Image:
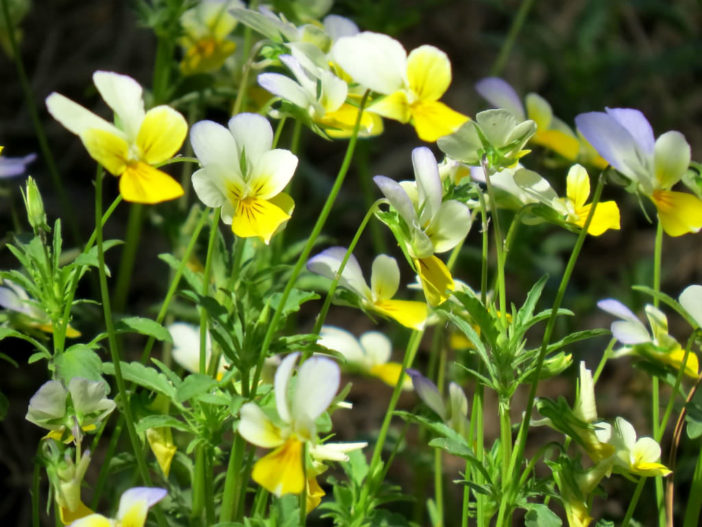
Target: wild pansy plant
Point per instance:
(244, 175)
(424, 223)
(135, 145)
(624, 137)
(134, 506)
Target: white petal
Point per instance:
(124, 95)
(647, 450)
(302, 72)
(334, 91)
(327, 264)
(257, 429)
(186, 345)
(426, 173)
(139, 497)
(317, 383)
(630, 330)
(280, 385)
(76, 118)
(334, 451)
(376, 346)
(535, 186)
(373, 60)
(398, 198)
(385, 277)
(338, 26)
(671, 158)
(285, 88)
(209, 187)
(253, 134)
(691, 300)
(501, 95)
(585, 407)
(625, 433)
(213, 144)
(450, 225)
(49, 402)
(272, 172)
(340, 340)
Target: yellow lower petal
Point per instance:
(340, 123)
(435, 278)
(314, 494)
(108, 149)
(650, 469)
(281, 471)
(433, 119)
(142, 183)
(675, 359)
(161, 443)
(259, 218)
(69, 516)
(559, 142)
(606, 217)
(678, 212)
(394, 106)
(409, 313)
(390, 373)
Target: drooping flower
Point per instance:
(65, 472)
(370, 353)
(551, 132)
(625, 139)
(134, 506)
(411, 84)
(206, 28)
(298, 407)
(431, 225)
(658, 346)
(243, 175)
(320, 97)
(132, 148)
(573, 208)
(385, 280)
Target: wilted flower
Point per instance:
(625, 139)
(385, 280)
(431, 225)
(132, 148)
(658, 347)
(243, 175)
(134, 505)
(370, 353)
(411, 84)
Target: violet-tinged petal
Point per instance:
(636, 124)
(500, 94)
(428, 392)
(397, 197)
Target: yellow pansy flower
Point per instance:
(133, 508)
(131, 147)
(205, 44)
(385, 280)
(370, 353)
(243, 175)
(625, 139)
(411, 84)
(606, 215)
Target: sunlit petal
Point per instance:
(500, 94)
(257, 428)
(398, 198)
(135, 503)
(75, 117)
(161, 134)
(605, 217)
(257, 218)
(328, 262)
(281, 471)
(271, 173)
(539, 110)
(317, 383)
(385, 277)
(435, 278)
(108, 149)
(340, 340)
(429, 190)
(124, 95)
(433, 119)
(560, 142)
(394, 106)
(409, 313)
(142, 183)
(253, 135)
(636, 124)
(161, 443)
(93, 520)
(428, 72)
(213, 144)
(671, 158)
(450, 225)
(578, 185)
(691, 300)
(377, 346)
(679, 212)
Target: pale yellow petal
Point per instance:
(258, 218)
(281, 471)
(435, 278)
(678, 212)
(578, 185)
(92, 520)
(314, 494)
(142, 183)
(428, 73)
(108, 149)
(409, 313)
(560, 142)
(433, 119)
(339, 124)
(390, 373)
(81, 511)
(161, 134)
(161, 444)
(394, 106)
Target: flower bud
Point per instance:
(35, 206)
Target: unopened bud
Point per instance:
(35, 206)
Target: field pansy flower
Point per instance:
(434, 225)
(134, 505)
(625, 139)
(411, 84)
(691, 300)
(385, 280)
(205, 44)
(370, 353)
(243, 174)
(657, 346)
(14, 166)
(131, 148)
(282, 471)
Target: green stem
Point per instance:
(232, 481)
(499, 247)
(514, 30)
(505, 444)
(332, 288)
(632, 503)
(114, 349)
(304, 255)
(126, 264)
(198, 486)
(694, 500)
(565, 279)
(206, 287)
(68, 210)
(655, 384)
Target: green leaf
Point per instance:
(194, 385)
(482, 317)
(143, 326)
(295, 299)
(78, 361)
(539, 515)
(161, 420)
(693, 417)
(144, 376)
(90, 259)
(669, 301)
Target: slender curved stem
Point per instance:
(514, 30)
